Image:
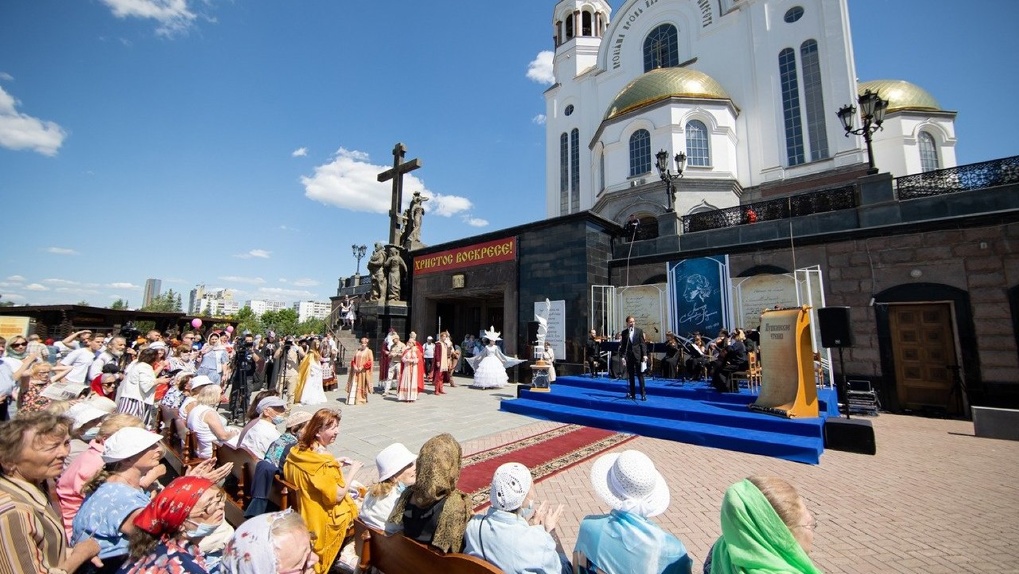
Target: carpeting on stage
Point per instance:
(545, 454)
(690, 412)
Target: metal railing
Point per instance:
(821, 201)
(962, 178)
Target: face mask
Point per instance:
(278, 420)
(90, 434)
(528, 512)
(400, 487)
(202, 530)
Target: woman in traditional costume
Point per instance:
(412, 372)
(309, 389)
(490, 364)
(359, 381)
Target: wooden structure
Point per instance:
(395, 553)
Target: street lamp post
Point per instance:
(359, 251)
(668, 177)
(872, 112)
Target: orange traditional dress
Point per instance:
(359, 381)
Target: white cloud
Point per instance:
(290, 292)
(6, 77)
(16, 278)
(475, 221)
(350, 181)
(248, 280)
(539, 119)
(13, 297)
(59, 282)
(259, 253)
(36, 287)
(299, 152)
(61, 251)
(304, 282)
(20, 131)
(173, 15)
(540, 68)
(123, 285)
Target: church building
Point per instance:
(698, 171)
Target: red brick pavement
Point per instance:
(934, 499)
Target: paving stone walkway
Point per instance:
(934, 499)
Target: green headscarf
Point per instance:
(754, 539)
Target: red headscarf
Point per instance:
(165, 514)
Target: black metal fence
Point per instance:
(821, 201)
(962, 178)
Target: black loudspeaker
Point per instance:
(835, 328)
(532, 333)
(849, 435)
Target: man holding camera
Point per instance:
(246, 361)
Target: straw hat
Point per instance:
(629, 482)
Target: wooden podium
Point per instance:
(788, 387)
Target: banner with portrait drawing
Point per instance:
(699, 295)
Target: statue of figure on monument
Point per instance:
(376, 270)
(411, 238)
(395, 270)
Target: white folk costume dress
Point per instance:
(490, 364)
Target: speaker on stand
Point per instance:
(846, 435)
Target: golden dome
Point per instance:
(901, 95)
(662, 84)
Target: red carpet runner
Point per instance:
(544, 454)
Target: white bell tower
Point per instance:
(577, 28)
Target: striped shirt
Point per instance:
(32, 539)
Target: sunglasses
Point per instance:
(22, 344)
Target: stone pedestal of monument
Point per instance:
(377, 318)
(669, 224)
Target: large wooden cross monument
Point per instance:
(396, 174)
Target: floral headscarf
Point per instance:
(251, 550)
(166, 513)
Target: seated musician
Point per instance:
(698, 357)
(592, 352)
(670, 363)
(731, 358)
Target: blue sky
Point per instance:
(236, 143)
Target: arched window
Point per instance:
(640, 153)
(661, 48)
(697, 151)
(569, 27)
(574, 170)
(928, 153)
(564, 174)
(813, 99)
(586, 28)
(791, 107)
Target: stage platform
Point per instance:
(689, 412)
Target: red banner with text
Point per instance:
(469, 256)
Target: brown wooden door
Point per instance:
(923, 347)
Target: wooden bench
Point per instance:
(238, 490)
(177, 438)
(395, 553)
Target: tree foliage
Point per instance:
(283, 322)
(247, 320)
(119, 304)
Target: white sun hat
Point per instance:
(510, 485)
(628, 481)
(128, 442)
(393, 459)
(83, 413)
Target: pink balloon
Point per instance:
(196, 322)
(229, 328)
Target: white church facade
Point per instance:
(748, 90)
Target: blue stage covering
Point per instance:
(690, 412)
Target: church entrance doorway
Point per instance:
(923, 348)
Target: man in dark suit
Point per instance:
(633, 350)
